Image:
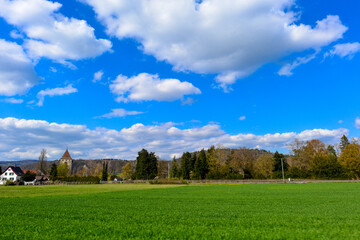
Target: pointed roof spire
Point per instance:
(66, 155)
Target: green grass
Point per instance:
(53, 190)
(248, 211)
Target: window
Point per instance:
(6, 174)
(11, 174)
(12, 178)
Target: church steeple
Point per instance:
(66, 155)
(66, 159)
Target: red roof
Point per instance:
(66, 155)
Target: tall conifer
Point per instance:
(201, 167)
(185, 165)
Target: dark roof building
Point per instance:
(16, 170)
(11, 173)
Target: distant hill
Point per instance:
(25, 164)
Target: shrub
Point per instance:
(9, 183)
(112, 177)
(28, 176)
(168, 181)
(83, 179)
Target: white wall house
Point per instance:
(12, 174)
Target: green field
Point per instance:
(116, 211)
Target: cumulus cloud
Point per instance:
(51, 92)
(229, 38)
(119, 112)
(98, 76)
(17, 73)
(13, 100)
(242, 118)
(344, 50)
(50, 34)
(357, 122)
(147, 87)
(20, 138)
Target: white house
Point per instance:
(12, 173)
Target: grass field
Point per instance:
(115, 211)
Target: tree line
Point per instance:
(307, 159)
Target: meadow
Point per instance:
(142, 211)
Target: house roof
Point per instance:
(66, 155)
(16, 170)
(42, 178)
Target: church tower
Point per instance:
(66, 158)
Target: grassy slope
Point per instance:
(254, 211)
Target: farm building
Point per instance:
(12, 173)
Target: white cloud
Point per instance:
(50, 34)
(287, 69)
(357, 122)
(16, 35)
(344, 50)
(189, 101)
(147, 87)
(340, 121)
(119, 112)
(17, 73)
(54, 92)
(229, 38)
(13, 100)
(98, 76)
(242, 118)
(20, 138)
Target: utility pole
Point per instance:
(282, 167)
(169, 170)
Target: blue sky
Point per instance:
(106, 78)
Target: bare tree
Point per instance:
(41, 166)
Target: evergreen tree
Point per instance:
(192, 161)
(277, 159)
(201, 167)
(140, 171)
(152, 166)
(174, 169)
(104, 175)
(146, 165)
(331, 150)
(344, 142)
(185, 165)
(53, 171)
